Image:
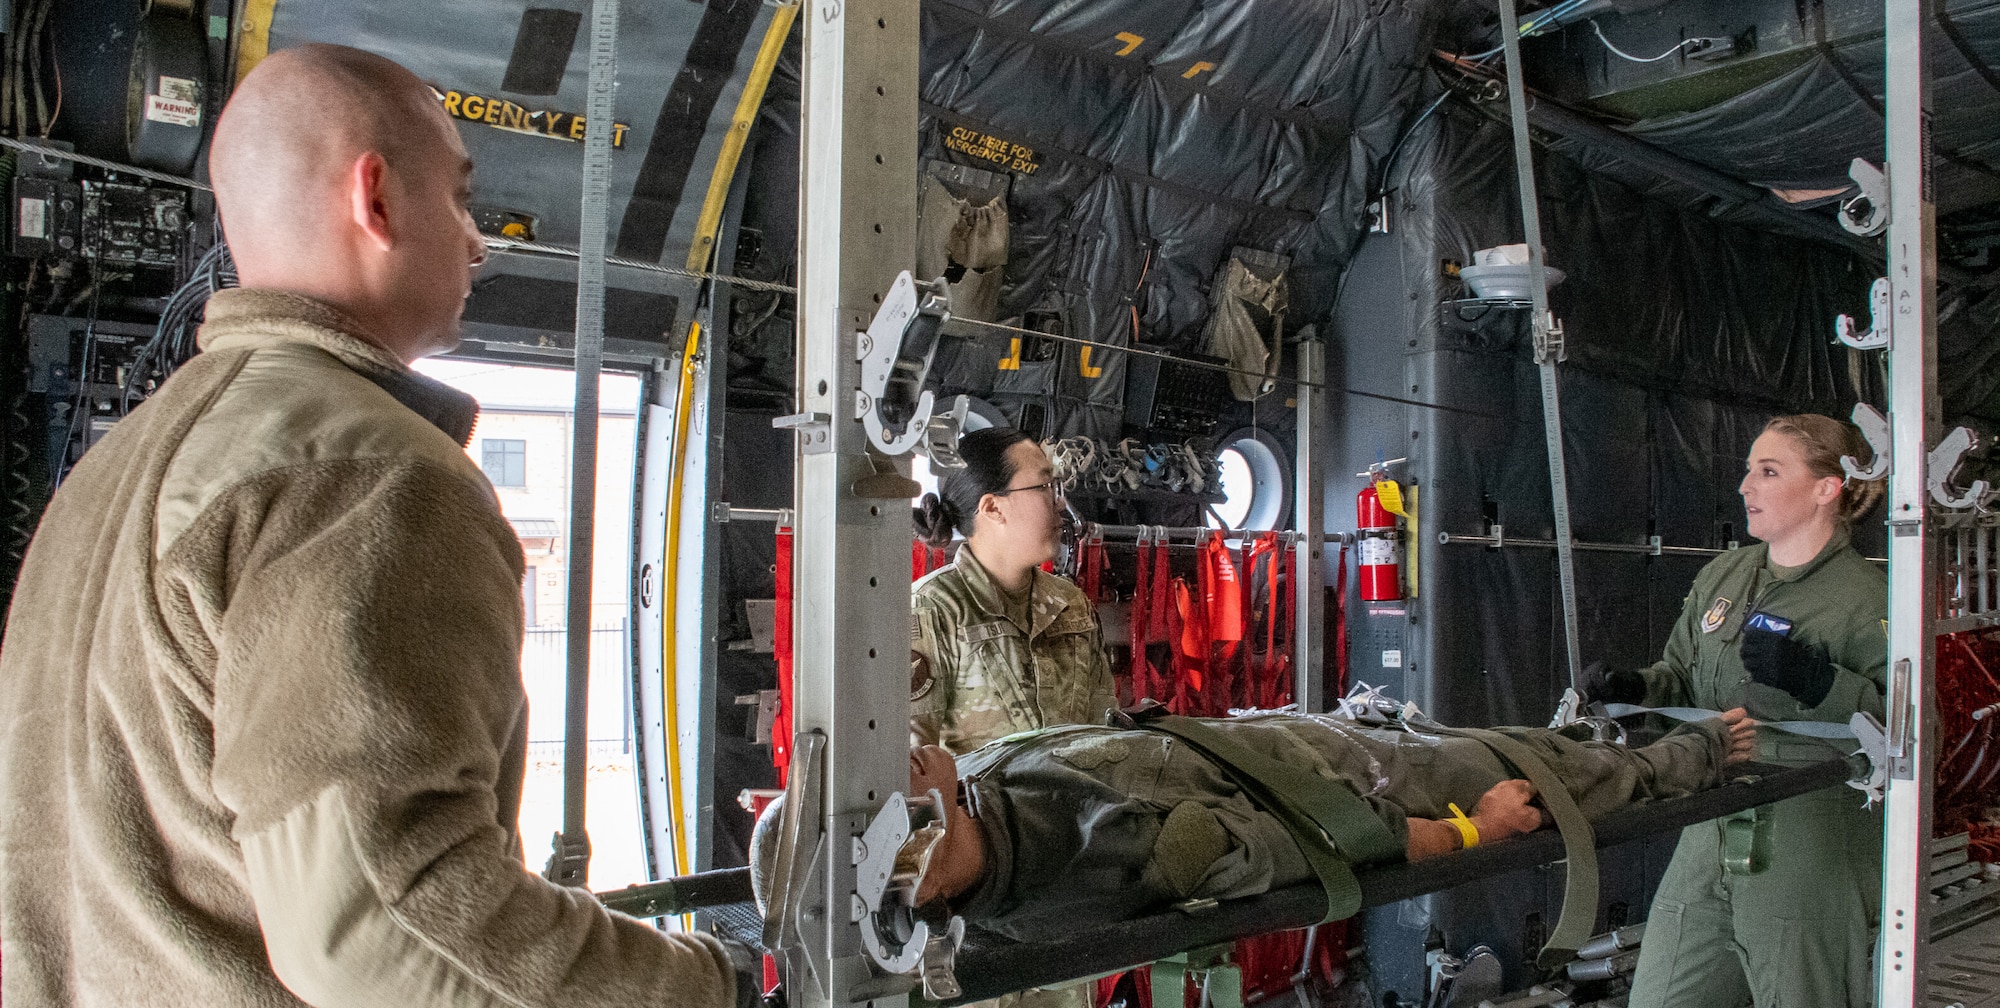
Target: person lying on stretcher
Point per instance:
(1081, 825)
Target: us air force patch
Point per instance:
(921, 679)
(1715, 615)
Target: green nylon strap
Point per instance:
(1334, 825)
(1579, 909)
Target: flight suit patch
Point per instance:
(921, 679)
(1190, 842)
(1715, 615)
(1089, 753)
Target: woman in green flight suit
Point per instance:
(1792, 629)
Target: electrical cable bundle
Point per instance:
(25, 109)
(173, 340)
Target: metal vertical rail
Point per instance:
(1309, 517)
(1548, 333)
(569, 863)
(857, 216)
(1982, 549)
(1914, 411)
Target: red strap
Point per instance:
(1186, 668)
(1273, 675)
(781, 646)
(1284, 660)
(1141, 627)
(1340, 625)
(1090, 564)
(1161, 619)
(1265, 689)
(1223, 592)
(919, 553)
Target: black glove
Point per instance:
(749, 966)
(1600, 686)
(1800, 669)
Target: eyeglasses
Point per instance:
(1054, 488)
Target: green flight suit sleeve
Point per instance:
(1852, 692)
(1860, 688)
(1669, 681)
(1604, 777)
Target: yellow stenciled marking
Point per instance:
(1083, 364)
(1012, 362)
(502, 114)
(1131, 42)
(1197, 68)
(1003, 153)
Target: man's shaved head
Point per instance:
(299, 119)
(333, 169)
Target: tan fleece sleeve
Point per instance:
(366, 624)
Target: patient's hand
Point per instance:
(958, 862)
(1504, 811)
(1742, 735)
(932, 767)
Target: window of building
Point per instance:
(505, 461)
(528, 593)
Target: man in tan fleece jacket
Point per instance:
(262, 729)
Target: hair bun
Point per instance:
(934, 520)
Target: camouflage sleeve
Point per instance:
(929, 684)
(1103, 688)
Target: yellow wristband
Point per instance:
(1467, 832)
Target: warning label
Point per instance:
(160, 108)
(1002, 154)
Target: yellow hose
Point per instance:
(699, 254)
(703, 246)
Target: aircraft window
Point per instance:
(527, 409)
(1235, 474)
(1255, 482)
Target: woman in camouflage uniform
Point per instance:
(999, 646)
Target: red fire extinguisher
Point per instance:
(1375, 544)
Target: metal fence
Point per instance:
(544, 661)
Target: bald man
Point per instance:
(264, 730)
